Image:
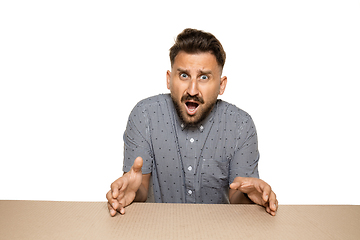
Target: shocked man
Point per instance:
(194, 147)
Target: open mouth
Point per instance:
(191, 107)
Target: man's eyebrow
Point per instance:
(200, 71)
(205, 72)
(182, 70)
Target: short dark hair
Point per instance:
(194, 41)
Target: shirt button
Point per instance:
(189, 192)
(192, 140)
(182, 125)
(190, 168)
(201, 128)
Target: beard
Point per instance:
(201, 114)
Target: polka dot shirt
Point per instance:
(191, 164)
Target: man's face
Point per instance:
(195, 83)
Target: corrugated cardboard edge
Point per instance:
(91, 220)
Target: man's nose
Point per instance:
(193, 88)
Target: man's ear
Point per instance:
(223, 82)
(168, 74)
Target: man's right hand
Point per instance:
(123, 190)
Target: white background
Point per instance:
(71, 71)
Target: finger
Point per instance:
(123, 188)
(273, 203)
(109, 195)
(115, 189)
(268, 210)
(266, 190)
(113, 203)
(112, 211)
(121, 208)
(272, 208)
(119, 185)
(235, 185)
(238, 183)
(137, 164)
(122, 211)
(273, 213)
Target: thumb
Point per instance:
(136, 167)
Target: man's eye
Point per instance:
(183, 75)
(204, 77)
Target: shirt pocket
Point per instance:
(215, 173)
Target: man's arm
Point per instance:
(132, 186)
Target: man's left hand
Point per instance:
(258, 191)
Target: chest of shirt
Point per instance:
(193, 148)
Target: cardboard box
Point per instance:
(91, 220)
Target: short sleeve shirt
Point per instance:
(191, 164)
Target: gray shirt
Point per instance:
(191, 164)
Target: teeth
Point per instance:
(191, 105)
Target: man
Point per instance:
(194, 147)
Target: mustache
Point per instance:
(195, 98)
